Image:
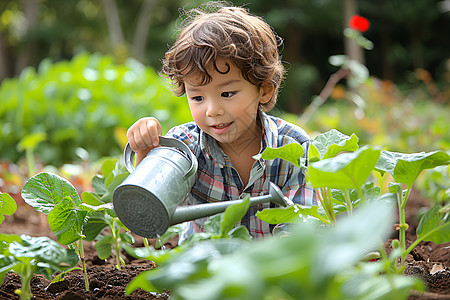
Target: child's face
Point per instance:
(226, 107)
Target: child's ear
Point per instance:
(267, 89)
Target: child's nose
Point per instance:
(214, 109)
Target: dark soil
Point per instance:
(428, 261)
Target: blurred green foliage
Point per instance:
(382, 115)
(86, 102)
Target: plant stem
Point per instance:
(403, 225)
(25, 291)
(83, 262)
(327, 204)
(116, 246)
(30, 161)
(146, 244)
(348, 202)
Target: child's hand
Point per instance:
(143, 136)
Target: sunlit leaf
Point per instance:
(330, 143)
(434, 226)
(405, 168)
(348, 170)
(46, 190)
(290, 152)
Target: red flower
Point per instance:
(359, 23)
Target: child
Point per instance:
(228, 65)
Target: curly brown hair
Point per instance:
(222, 31)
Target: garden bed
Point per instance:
(429, 261)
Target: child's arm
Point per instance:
(143, 136)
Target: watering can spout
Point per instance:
(197, 211)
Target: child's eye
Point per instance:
(227, 94)
(197, 98)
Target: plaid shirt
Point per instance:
(218, 180)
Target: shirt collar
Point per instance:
(269, 138)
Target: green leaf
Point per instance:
(104, 246)
(127, 237)
(290, 152)
(291, 214)
(8, 206)
(108, 166)
(232, 215)
(141, 281)
(240, 232)
(30, 141)
(107, 197)
(348, 170)
(434, 226)
(329, 144)
(66, 221)
(91, 198)
(95, 224)
(405, 168)
(45, 190)
(42, 249)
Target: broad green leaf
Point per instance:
(108, 166)
(104, 246)
(98, 183)
(434, 226)
(348, 170)
(332, 142)
(232, 215)
(107, 197)
(290, 152)
(240, 232)
(142, 282)
(405, 168)
(279, 215)
(8, 206)
(148, 253)
(42, 249)
(91, 198)
(45, 190)
(95, 224)
(407, 171)
(66, 221)
(291, 214)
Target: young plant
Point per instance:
(27, 255)
(307, 263)
(341, 183)
(99, 203)
(58, 199)
(434, 226)
(339, 180)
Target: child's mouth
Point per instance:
(221, 128)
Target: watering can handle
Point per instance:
(128, 154)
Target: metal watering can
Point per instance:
(147, 202)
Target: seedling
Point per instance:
(307, 263)
(341, 184)
(434, 226)
(29, 255)
(58, 199)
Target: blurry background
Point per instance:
(75, 74)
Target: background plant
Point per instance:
(87, 102)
